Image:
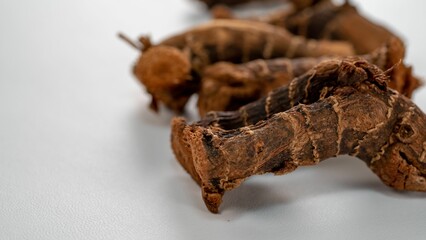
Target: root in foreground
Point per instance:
(343, 107)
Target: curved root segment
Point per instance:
(171, 70)
(343, 107)
(324, 19)
(227, 86)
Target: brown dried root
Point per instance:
(339, 107)
(329, 21)
(324, 20)
(227, 86)
(171, 69)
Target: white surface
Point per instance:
(82, 158)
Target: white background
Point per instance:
(81, 157)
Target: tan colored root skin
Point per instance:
(160, 77)
(227, 86)
(356, 114)
(181, 148)
(171, 70)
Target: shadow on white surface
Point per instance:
(266, 192)
(253, 196)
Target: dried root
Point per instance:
(339, 107)
(323, 20)
(171, 70)
(227, 86)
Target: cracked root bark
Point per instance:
(340, 107)
(227, 86)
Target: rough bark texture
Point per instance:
(227, 86)
(340, 107)
(171, 69)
